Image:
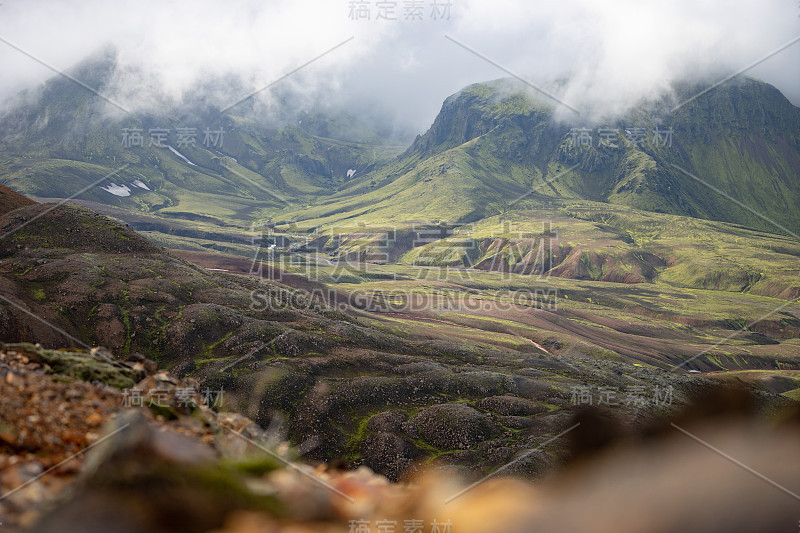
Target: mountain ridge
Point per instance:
(732, 154)
(495, 147)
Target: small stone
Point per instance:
(94, 419)
(15, 380)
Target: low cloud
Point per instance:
(402, 69)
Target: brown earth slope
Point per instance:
(10, 200)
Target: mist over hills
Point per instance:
(457, 301)
(320, 266)
(731, 154)
(62, 138)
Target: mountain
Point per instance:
(494, 148)
(442, 306)
(184, 160)
(730, 154)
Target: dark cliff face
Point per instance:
(477, 110)
(462, 118)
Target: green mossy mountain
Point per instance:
(732, 154)
(622, 289)
(61, 138)
(494, 148)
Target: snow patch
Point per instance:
(229, 157)
(174, 151)
(141, 185)
(117, 190)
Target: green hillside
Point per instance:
(61, 138)
(492, 149)
(732, 155)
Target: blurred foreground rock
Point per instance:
(172, 464)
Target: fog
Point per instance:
(612, 53)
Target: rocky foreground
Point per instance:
(89, 443)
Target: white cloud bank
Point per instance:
(612, 52)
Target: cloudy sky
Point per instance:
(404, 57)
